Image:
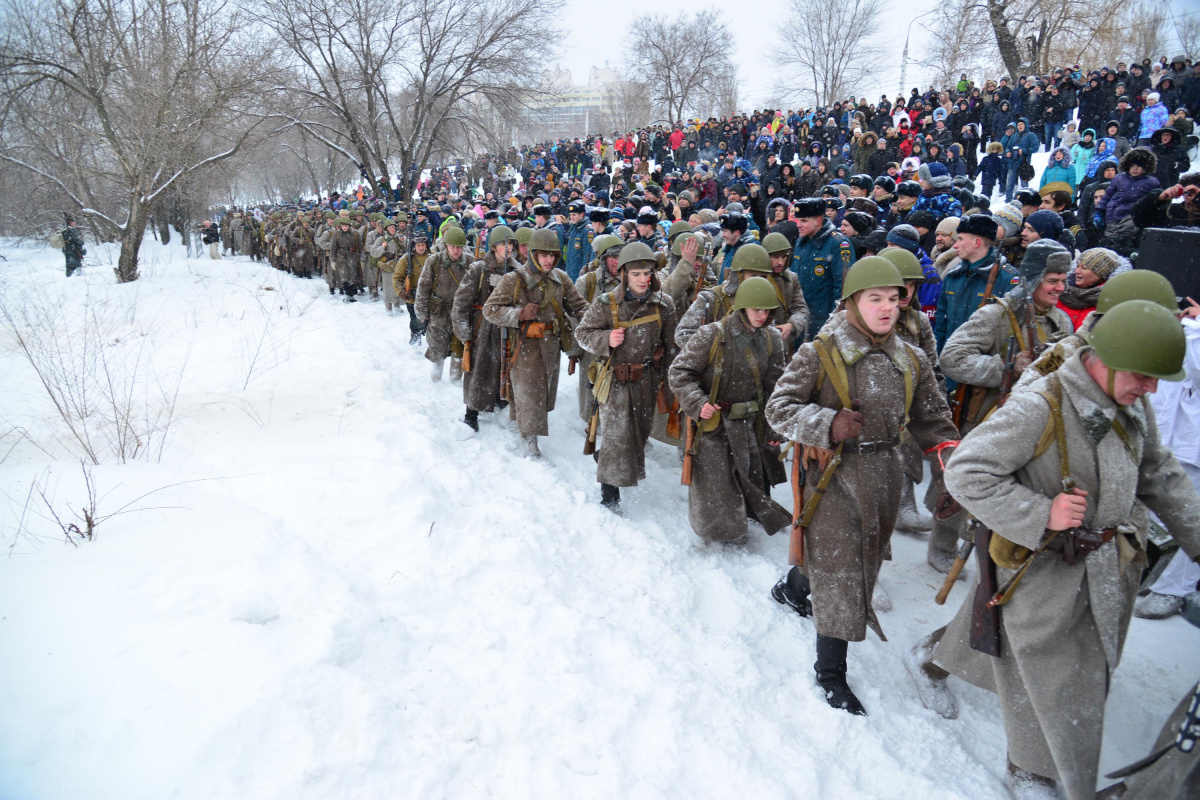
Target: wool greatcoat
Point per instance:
(535, 370)
(627, 417)
(481, 386)
(1062, 632)
(440, 279)
(345, 247)
(733, 468)
(592, 283)
(849, 535)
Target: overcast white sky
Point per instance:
(591, 39)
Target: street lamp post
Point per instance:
(904, 58)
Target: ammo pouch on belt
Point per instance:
(536, 330)
(735, 411)
(1007, 554)
(628, 373)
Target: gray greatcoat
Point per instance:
(628, 415)
(1063, 630)
(590, 285)
(481, 386)
(535, 370)
(732, 471)
(849, 536)
(387, 250)
(345, 247)
(439, 280)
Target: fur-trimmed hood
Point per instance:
(1142, 156)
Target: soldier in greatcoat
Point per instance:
(713, 305)
(481, 383)
(540, 304)
(848, 395)
(345, 248)
(440, 279)
(631, 331)
(603, 275)
(723, 376)
(387, 249)
(406, 276)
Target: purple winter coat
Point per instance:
(1123, 192)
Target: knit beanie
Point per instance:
(1010, 218)
(860, 221)
(1047, 223)
(1101, 261)
(936, 175)
(905, 236)
(922, 219)
(948, 226)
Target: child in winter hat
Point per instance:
(935, 175)
(1010, 219)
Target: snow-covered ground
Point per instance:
(338, 598)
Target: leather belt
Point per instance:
(870, 448)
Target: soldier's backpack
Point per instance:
(57, 241)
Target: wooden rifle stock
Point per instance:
(960, 393)
(689, 452)
(796, 542)
(960, 561)
(505, 383)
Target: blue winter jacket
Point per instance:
(940, 203)
(819, 262)
(963, 286)
(579, 248)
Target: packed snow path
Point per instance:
(351, 602)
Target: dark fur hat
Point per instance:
(1142, 156)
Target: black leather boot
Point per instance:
(472, 419)
(792, 591)
(831, 675)
(610, 497)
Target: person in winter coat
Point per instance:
(1059, 169)
(633, 327)
(1085, 282)
(600, 276)
(1082, 152)
(1154, 116)
(1169, 149)
(1063, 626)
(1135, 179)
(966, 279)
(1019, 145)
(440, 279)
(991, 168)
(936, 197)
(954, 163)
(1121, 145)
(74, 251)
(889, 387)
(821, 256)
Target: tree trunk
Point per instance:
(164, 228)
(1010, 50)
(131, 243)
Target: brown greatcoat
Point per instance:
(628, 415)
(481, 386)
(590, 285)
(734, 466)
(849, 535)
(439, 281)
(535, 370)
(345, 248)
(301, 247)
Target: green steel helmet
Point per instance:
(636, 251)
(1137, 284)
(1143, 337)
(776, 243)
(904, 261)
(605, 242)
(677, 245)
(677, 227)
(499, 234)
(872, 272)
(401, 216)
(544, 239)
(451, 223)
(755, 292)
(751, 257)
(454, 237)
(524, 235)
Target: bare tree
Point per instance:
(961, 40)
(681, 59)
(626, 106)
(117, 101)
(830, 44)
(1187, 33)
(390, 84)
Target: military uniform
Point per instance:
(387, 250)
(345, 248)
(591, 285)
(819, 261)
(406, 276)
(638, 367)
(439, 280)
(481, 385)
(301, 247)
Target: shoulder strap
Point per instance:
(833, 365)
(717, 351)
(1054, 427)
(912, 374)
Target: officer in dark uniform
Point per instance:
(820, 257)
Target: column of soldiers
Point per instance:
(1043, 451)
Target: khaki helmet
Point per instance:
(544, 239)
(755, 292)
(904, 261)
(498, 235)
(1137, 284)
(636, 251)
(776, 243)
(677, 245)
(454, 237)
(452, 223)
(872, 272)
(524, 235)
(751, 257)
(401, 216)
(1143, 337)
(677, 227)
(605, 242)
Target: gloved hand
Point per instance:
(1097, 219)
(494, 280)
(1021, 362)
(530, 311)
(846, 424)
(946, 506)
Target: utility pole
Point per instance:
(904, 58)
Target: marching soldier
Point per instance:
(387, 250)
(1053, 477)
(301, 246)
(633, 327)
(524, 234)
(536, 301)
(988, 353)
(592, 284)
(848, 395)
(713, 305)
(791, 318)
(406, 276)
(481, 339)
(439, 280)
(722, 378)
(370, 263)
(345, 248)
